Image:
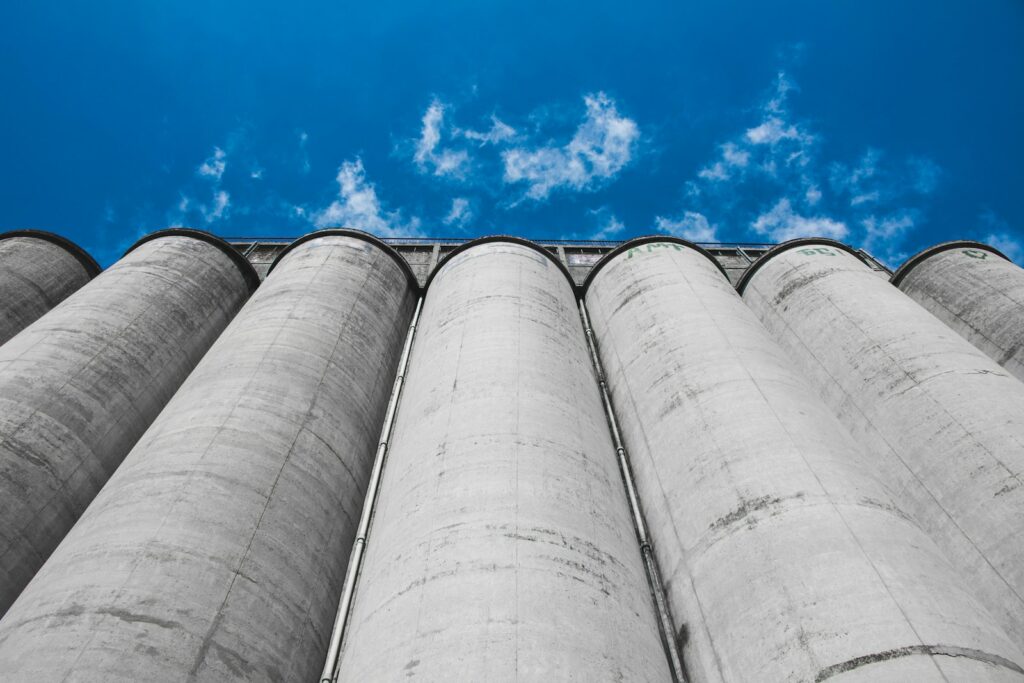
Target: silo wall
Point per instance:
(943, 422)
(502, 547)
(975, 290)
(216, 551)
(787, 556)
(38, 270)
(80, 385)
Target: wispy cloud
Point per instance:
(606, 226)
(304, 165)
(770, 181)
(603, 145)
(359, 207)
(210, 171)
(215, 165)
(691, 226)
(996, 232)
(733, 158)
(885, 235)
(498, 133)
(781, 223)
(460, 214)
(430, 156)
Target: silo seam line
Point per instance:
(330, 671)
(665, 623)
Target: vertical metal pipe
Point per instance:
(330, 671)
(943, 421)
(784, 550)
(503, 546)
(665, 623)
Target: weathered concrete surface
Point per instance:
(943, 422)
(80, 385)
(785, 553)
(217, 550)
(38, 270)
(977, 292)
(502, 547)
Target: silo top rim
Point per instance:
(925, 254)
(646, 239)
(81, 255)
(249, 274)
(786, 246)
(354, 234)
(501, 238)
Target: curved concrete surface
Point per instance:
(975, 290)
(788, 557)
(38, 270)
(80, 385)
(217, 550)
(943, 422)
(502, 547)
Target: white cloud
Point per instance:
(1008, 244)
(602, 146)
(428, 157)
(609, 226)
(733, 157)
(358, 206)
(783, 85)
(772, 131)
(883, 236)
(498, 133)
(875, 202)
(691, 226)
(812, 195)
(304, 164)
(999, 235)
(460, 213)
(221, 202)
(781, 223)
(215, 165)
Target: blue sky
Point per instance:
(891, 126)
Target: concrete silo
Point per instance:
(977, 291)
(80, 385)
(502, 546)
(217, 550)
(943, 422)
(38, 270)
(788, 557)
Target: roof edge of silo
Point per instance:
(500, 238)
(786, 246)
(354, 234)
(249, 274)
(646, 239)
(92, 268)
(925, 254)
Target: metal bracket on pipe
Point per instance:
(330, 672)
(665, 624)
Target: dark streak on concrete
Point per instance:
(929, 650)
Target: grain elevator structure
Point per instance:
(347, 458)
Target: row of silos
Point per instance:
(502, 543)
(787, 554)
